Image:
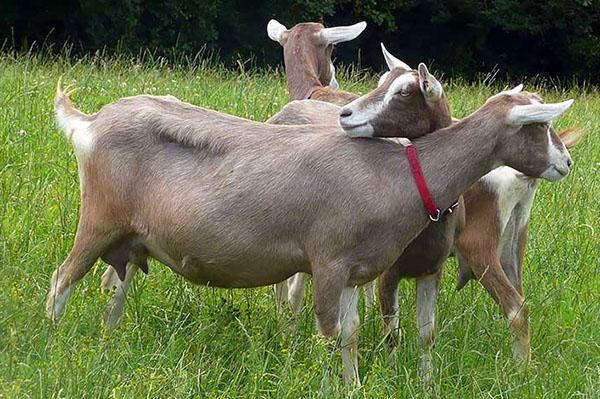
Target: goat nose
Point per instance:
(569, 162)
(345, 112)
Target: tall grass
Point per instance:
(180, 340)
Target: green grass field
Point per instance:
(180, 340)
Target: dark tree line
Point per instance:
(533, 37)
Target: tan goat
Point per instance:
(307, 49)
(234, 203)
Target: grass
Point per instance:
(180, 340)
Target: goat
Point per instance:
(307, 49)
(310, 72)
(118, 277)
(234, 203)
(501, 199)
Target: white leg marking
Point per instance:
(521, 347)
(296, 289)
(391, 326)
(427, 290)
(110, 279)
(114, 309)
(55, 302)
(281, 295)
(350, 325)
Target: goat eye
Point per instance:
(404, 93)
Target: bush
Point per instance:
(463, 37)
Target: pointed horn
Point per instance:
(514, 90)
(340, 34)
(536, 113)
(393, 62)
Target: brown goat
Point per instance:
(307, 49)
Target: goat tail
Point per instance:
(74, 123)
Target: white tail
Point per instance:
(74, 123)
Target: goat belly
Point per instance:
(232, 275)
(243, 271)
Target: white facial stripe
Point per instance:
(358, 124)
(559, 160)
(382, 79)
(555, 155)
(333, 83)
(402, 82)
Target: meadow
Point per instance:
(181, 340)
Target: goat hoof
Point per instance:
(112, 316)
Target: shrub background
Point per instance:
(533, 37)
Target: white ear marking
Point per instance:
(275, 30)
(536, 113)
(399, 84)
(430, 87)
(393, 62)
(340, 34)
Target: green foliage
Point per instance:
(183, 341)
(557, 38)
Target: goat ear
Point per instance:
(393, 62)
(571, 137)
(430, 87)
(340, 34)
(276, 31)
(536, 113)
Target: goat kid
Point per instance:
(234, 203)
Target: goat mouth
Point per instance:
(562, 172)
(352, 125)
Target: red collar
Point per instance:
(435, 213)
